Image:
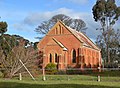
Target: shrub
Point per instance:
(51, 68)
(111, 65)
(61, 72)
(1, 74)
(73, 71)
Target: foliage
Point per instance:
(107, 13)
(18, 38)
(1, 56)
(12, 63)
(14, 48)
(111, 65)
(5, 41)
(51, 68)
(3, 27)
(106, 10)
(77, 24)
(39, 59)
(113, 44)
(61, 72)
(1, 74)
(73, 71)
(35, 45)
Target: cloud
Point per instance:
(20, 26)
(79, 1)
(38, 17)
(31, 21)
(34, 19)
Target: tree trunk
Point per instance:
(108, 55)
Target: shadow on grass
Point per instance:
(25, 85)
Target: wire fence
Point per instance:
(73, 74)
(86, 74)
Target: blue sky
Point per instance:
(23, 16)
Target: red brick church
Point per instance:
(66, 47)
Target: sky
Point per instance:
(23, 16)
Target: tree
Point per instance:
(12, 40)
(77, 24)
(18, 38)
(40, 56)
(107, 13)
(14, 48)
(3, 27)
(5, 41)
(1, 57)
(12, 64)
(35, 45)
(115, 46)
(113, 43)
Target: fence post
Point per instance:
(98, 75)
(44, 74)
(20, 76)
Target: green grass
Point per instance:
(61, 81)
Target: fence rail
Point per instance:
(73, 74)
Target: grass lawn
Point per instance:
(61, 81)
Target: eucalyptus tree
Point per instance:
(106, 12)
(3, 27)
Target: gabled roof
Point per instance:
(60, 44)
(81, 37)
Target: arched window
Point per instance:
(56, 31)
(50, 57)
(56, 58)
(60, 29)
(74, 56)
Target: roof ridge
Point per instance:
(78, 36)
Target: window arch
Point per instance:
(56, 31)
(60, 30)
(56, 58)
(50, 57)
(73, 56)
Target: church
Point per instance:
(67, 47)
